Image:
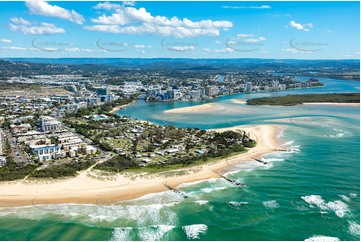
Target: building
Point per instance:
(211, 91)
(171, 94)
(47, 152)
(90, 150)
(105, 98)
(69, 107)
(103, 91)
(202, 92)
(92, 101)
(248, 87)
(2, 161)
(61, 98)
(22, 128)
(195, 95)
(275, 85)
(49, 124)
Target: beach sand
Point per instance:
(195, 109)
(121, 106)
(85, 189)
(239, 101)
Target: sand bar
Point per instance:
(239, 101)
(85, 189)
(195, 109)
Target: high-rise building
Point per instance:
(49, 124)
(211, 91)
(195, 95)
(103, 91)
(275, 85)
(170, 94)
(202, 92)
(248, 87)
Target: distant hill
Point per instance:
(341, 69)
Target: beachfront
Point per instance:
(85, 189)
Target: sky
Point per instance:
(277, 30)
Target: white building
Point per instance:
(275, 85)
(49, 124)
(47, 152)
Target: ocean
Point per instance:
(311, 192)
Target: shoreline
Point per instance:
(121, 106)
(85, 189)
(239, 101)
(333, 104)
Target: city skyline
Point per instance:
(280, 30)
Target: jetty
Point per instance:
(175, 190)
(260, 161)
(236, 183)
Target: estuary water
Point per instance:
(309, 193)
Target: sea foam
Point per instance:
(193, 231)
(345, 198)
(201, 202)
(121, 234)
(271, 204)
(321, 238)
(354, 229)
(153, 233)
(338, 207)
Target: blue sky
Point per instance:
(296, 30)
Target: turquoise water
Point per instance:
(309, 192)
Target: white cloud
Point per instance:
(179, 32)
(250, 38)
(20, 21)
(244, 35)
(30, 28)
(13, 48)
(280, 15)
(43, 8)
(304, 27)
(107, 6)
(248, 7)
(218, 42)
(5, 41)
(128, 3)
(129, 20)
(183, 48)
(74, 50)
(255, 40)
(225, 50)
(295, 51)
(142, 46)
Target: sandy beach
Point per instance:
(239, 101)
(334, 104)
(121, 106)
(85, 189)
(195, 109)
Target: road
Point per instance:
(17, 153)
(2, 141)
